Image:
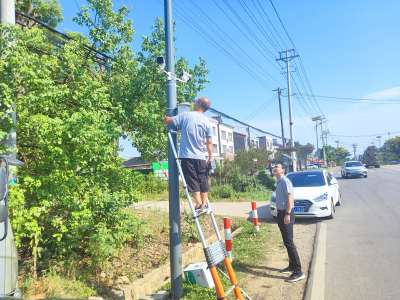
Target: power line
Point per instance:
(359, 136)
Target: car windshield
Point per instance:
(304, 180)
(353, 164)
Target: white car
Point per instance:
(316, 193)
(354, 169)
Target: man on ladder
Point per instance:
(195, 129)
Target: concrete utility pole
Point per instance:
(287, 60)
(249, 139)
(316, 132)
(280, 111)
(337, 156)
(174, 205)
(7, 16)
(355, 150)
(323, 144)
(379, 140)
(337, 144)
(326, 132)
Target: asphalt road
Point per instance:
(363, 240)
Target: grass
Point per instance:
(53, 285)
(249, 249)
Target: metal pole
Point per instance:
(174, 205)
(280, 111)
(249, 139)
(290, 112)
(316, 132)
(7, 16)
(323, 144)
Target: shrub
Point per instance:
(266, 180)
(221, 191)
(150, 184)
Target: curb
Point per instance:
(311, 269)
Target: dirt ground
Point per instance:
(266, 282)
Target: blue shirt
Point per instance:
(283, 187)
(195, 129)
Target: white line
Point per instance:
(318, 285)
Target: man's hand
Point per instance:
(167, 120)
(286, 219)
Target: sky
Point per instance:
(348, 49)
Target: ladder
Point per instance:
(214, 253)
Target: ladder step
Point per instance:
(231, 289)
(215, 253)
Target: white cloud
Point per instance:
(392, 93)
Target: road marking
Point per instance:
(318, 283)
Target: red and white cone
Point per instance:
(255, 216)
(228, 238)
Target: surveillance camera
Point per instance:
(185, 76)
(161, 62)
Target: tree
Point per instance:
(341, 154)
(391, 149)
(47, 11)
(253, 161)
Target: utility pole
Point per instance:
(355, 150)
(323, 144)
(389, 135)
(280, 111)
(174, 205)
(249, 139)
(316, 119)
(379, 140)
(337, 155)
(326, 132)
(7, 16)
(287, 60)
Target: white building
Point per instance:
(223, 146)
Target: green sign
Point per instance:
(160, 169)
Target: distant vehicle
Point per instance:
(316, 193)
(354, 169)
(312, 167)
(393, 162)
(370, 157)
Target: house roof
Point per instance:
(239, 133)
(134, 162)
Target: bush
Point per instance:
(266, 180)
(150, 184)
(238, 181)
(221, 191)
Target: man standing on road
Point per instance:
(286, 219)
(195, 129)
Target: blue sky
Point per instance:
(349, 49)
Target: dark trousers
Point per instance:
(287, 236)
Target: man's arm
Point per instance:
(289, 207)
(167, 120)
(209, 149)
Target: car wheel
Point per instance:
(378, 166)
(365, 176)
(339, 202)
(343, 176)
(275, 217)
(332, 215)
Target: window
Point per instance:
(252, 142)
(353, 164)
(303, 180)
(268, 144)
(230, 149)
(223, 148)
(257, 144)
(230, 136)
(215, 149)
(223, 134)
(214, 131)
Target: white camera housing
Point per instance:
(161, 62)
(185, 76)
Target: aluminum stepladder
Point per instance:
(215, 253)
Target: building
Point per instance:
(222, 138)
(267, 143)
(241, 141)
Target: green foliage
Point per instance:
(47, 11)
(150, 184)
(338, 154)
(391, 149)
(266, 180)
(221, 191)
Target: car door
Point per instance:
(333, 184)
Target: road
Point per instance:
(363, 240)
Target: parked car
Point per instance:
(316, 193)
(353, 169)
(312, 167)
(393, 162)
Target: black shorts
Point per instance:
(196, 175)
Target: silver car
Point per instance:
(354, 169)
